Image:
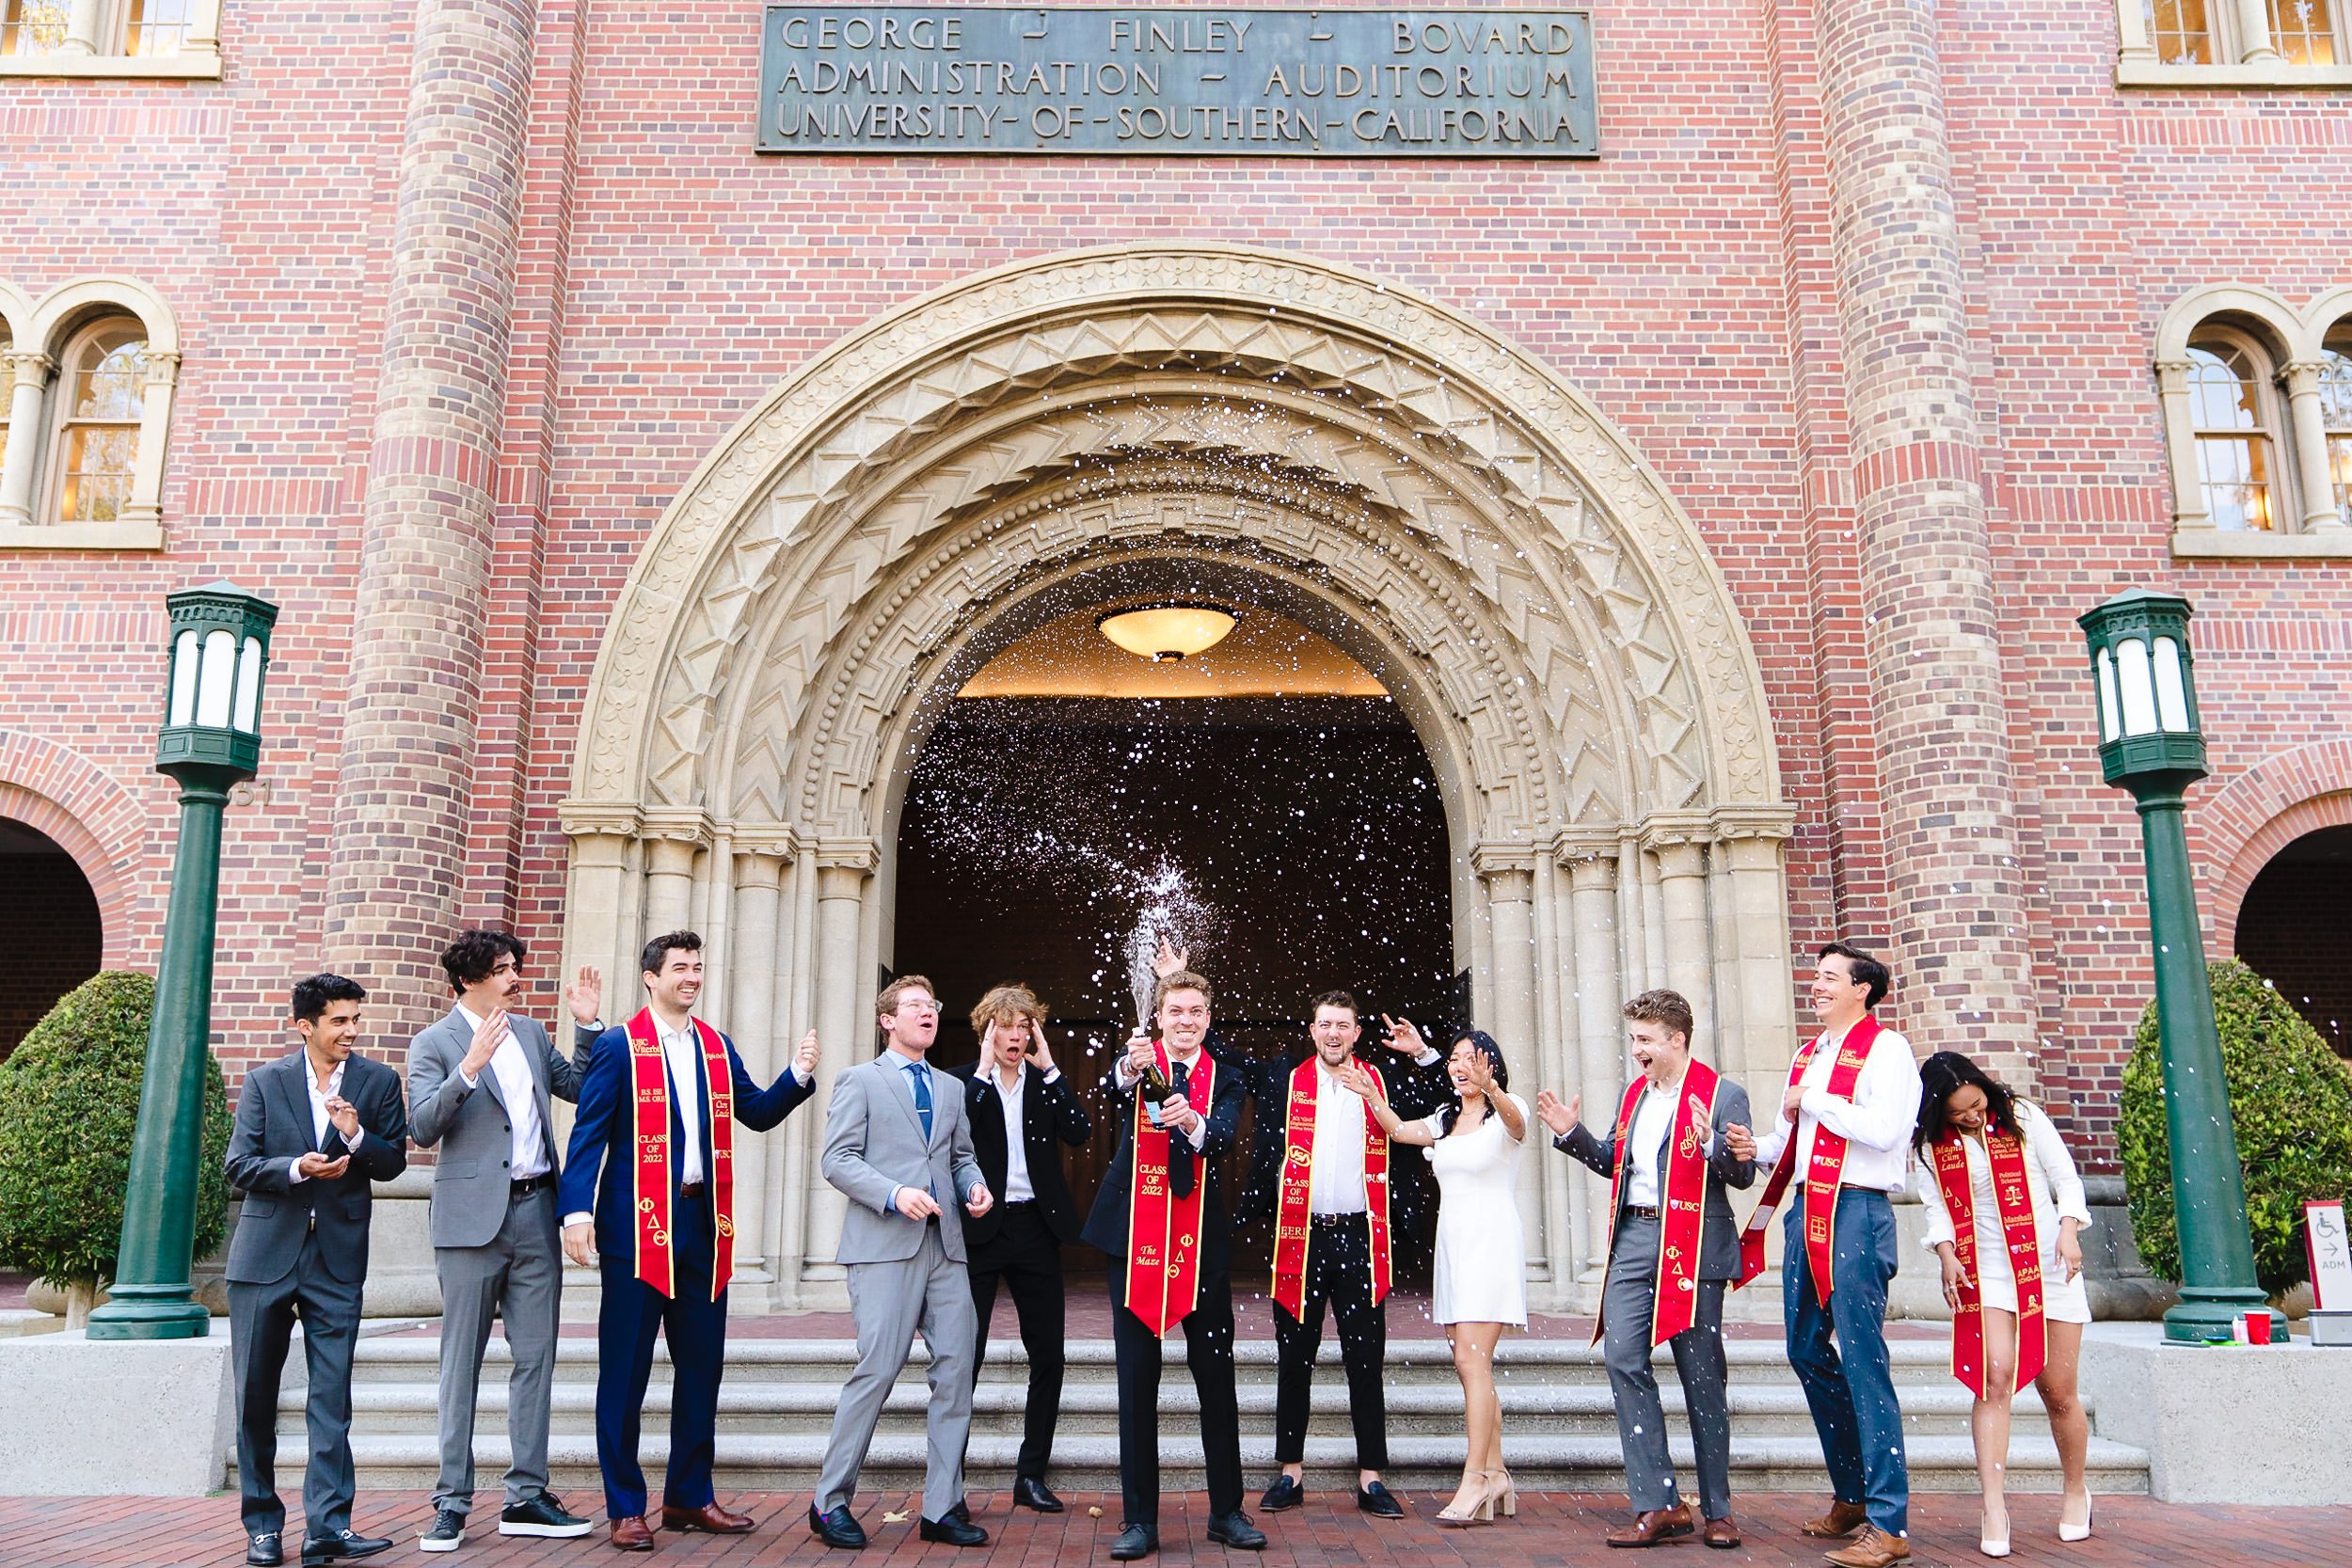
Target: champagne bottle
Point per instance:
(1153, 1084)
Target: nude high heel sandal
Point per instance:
(1473, 1505)
(1504, 1492)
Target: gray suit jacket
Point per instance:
(273, 1132)
(874, 1146)
(472, 1126)
(1719, 1229)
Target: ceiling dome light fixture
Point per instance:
(1167, 633)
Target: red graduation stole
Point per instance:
(650, 1080)
(1163, 1230)
(1290, 1221)
(2007, 1151)
(1821, 1172)
(1675, 1301)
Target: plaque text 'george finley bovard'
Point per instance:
(1221, 82)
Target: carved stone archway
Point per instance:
(1428, 497)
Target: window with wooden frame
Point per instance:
(101, 401)
(2335, 405)
(110, 38)
(2233, 415)
(2234, 43)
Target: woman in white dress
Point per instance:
(1480, 1276)
(1955, 1097)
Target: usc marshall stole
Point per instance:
(1823, 1170)
(1292, 1222)
(1674, 1299)
(649, 1083)
(2007, 1152)
(1163, 1230)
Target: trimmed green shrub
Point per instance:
(68, 1105)
(2291, 1102)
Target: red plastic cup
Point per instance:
(2258, 1328)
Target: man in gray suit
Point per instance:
(480, 1086)
(313, 1129)
(1680, 1141)
(897, 1146)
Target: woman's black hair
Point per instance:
(1942, 1076)
(1485, 1044)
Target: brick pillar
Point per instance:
(402, 807)
(1958, 914)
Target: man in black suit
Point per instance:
(1021, 1109)
(313, 1129)
(1161, 1217)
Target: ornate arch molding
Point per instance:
(2263, 810)
(88, 816)
(1543, 486)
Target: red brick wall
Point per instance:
(49, 932)
(668, 279)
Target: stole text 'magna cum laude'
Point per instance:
(1088, 80)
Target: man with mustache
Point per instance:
(1674, 1250)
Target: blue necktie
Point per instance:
(922, 1076)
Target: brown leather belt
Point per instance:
(1640, 1212)
(692, 1189)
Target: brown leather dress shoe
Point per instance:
(1659, 1525)
(1839, 1522)
(632, 1534)
(1722, 1533)
(710, 1518)
(1872, 1548)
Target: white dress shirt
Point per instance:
(681, 1049)
(1018, 1188)
(1876, 1123)
(1653, 1115)
(1335, 1180)
(319, 1122)
(520, 1092)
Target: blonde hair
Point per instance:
(1009, 1003)
(1184, 979)
(887, 1002)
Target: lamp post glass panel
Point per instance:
(2149, 744)
(210, 741)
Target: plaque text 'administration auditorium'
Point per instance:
(1453, 83)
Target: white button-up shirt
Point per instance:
(1335, 1181)
(1018, 1188)
(519, 1090)
(1653, 1115)
(319, 1123)
(1876, 1123)
(682, 1051)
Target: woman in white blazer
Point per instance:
(1961, 1110)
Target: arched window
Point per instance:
(100, 400)
(7, 393)
(2233, 415)
(2335, 407)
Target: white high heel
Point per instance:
(1991, 1546)
(2081, 1531)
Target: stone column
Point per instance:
(1690, 952)
(1508, 875)
(403, 785)
(1757, 911)
(1931, 624)
(146, 504)
(751, 1024)
(844, 1035)
(2180, 440)
(25, 431)
(81, 27)
(1600, 996)
(669, 879)
(2255, 44)
(2311, 445)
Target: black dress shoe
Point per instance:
(1285, 1493)
(963, 1511)
(263, 1549)
(342, 1546)
(952, 1531)
(1235, 1531)
(1029, 1492)
(1135, 1541)
(1379, 1501)
(837, 1528)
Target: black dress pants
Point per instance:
(1209, 1352)
(1023, 1255)
(1339, 1273)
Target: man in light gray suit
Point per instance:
(897, 1146)
(480, 1086)
(1680, 1141)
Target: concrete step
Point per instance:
(776, 1410)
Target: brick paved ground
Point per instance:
(1554, 1530)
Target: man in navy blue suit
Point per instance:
(655, 1119)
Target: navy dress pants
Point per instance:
(695, 1327)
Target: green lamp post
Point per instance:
(2149, 744)
(211, 741)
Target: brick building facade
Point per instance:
(1895, 330)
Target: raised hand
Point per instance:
(344, 1117)
(1561, 1119)
(1140, 1055)
(1480, 1073)
(484, 1044)
(586, 996)
(1402, 1038)
(1170, 957)
(1357, 1080)
(804, 1058)
(1038, 1054)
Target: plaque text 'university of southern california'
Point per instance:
(1223, 82)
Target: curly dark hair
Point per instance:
(1944, 1076)
(468, 961)
(1484, 1045)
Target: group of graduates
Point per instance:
(953, 1186)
